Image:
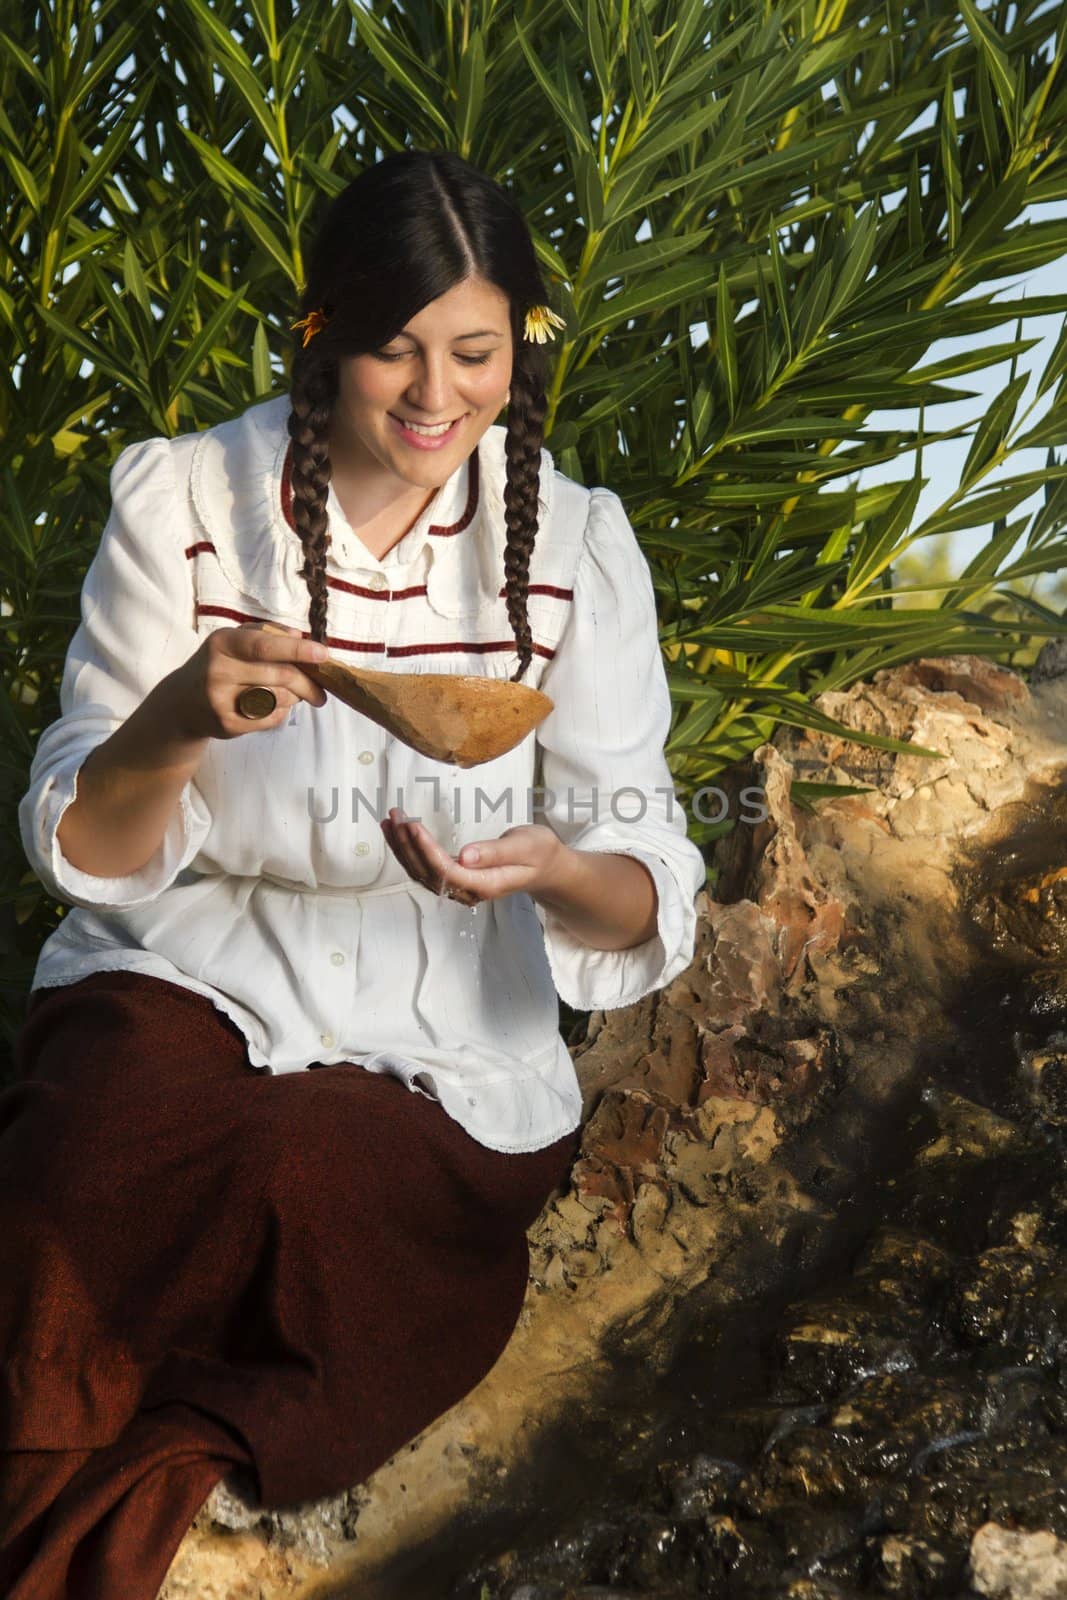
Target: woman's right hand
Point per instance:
(203, 692)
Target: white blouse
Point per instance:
(274, 892)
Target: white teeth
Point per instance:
(418, 427)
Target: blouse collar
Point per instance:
(241, 492)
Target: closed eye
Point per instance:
(398, 355)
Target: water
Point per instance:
(467, 932)
(846, 1432)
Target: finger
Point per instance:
(463, 897)
(268, 641)
(307, 649)
(439, 881)
(307, 688)
(273, 719)
(285, 699)
(277, 674)
(443, 870)
(423, 847)
(401, 846)
(287, 679)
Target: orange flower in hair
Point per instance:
(312, 324)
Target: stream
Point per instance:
(847, 1434)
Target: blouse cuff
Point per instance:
(187, 829)
(589, 979)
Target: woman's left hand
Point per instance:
(522, 858)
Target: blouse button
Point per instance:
(377, 580)
(326, 1039)
(338, 958)
(362, 848)
(366, 755)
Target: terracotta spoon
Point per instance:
(451, 717)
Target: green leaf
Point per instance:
(878, 545)
(471, 94)
(690, 18)
(978, 510)
(1052, 429)
(577, 128)
(426, 94)
(724, 322)
(992, 215)
(598, 55)
(262, 372)
(1056, 365)
(107, 158)
(650, 255)
(25, 180)
(229, 177)
(10, 48)
(273, 247)
(235, 66)
(996, 62)
(991, 431)
(203, 344)
(99, 356)
(331, 183)
(665, 289)
(134, 278)
(852, 260)
(589, 191)
(950, 164)
(804, 791)
(988, 123)
(636, 69)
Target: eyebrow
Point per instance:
(481, 333)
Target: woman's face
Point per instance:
(452, 363)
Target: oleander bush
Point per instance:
(820, 189)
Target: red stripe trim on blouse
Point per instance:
(378, 646)
(412, 592)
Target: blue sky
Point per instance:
(943, 463)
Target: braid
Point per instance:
(522, 448)
(312, 393)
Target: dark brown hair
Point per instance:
(404, 232)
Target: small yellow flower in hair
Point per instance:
(537, 326)
(312, 324)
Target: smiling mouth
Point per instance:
(447, 423)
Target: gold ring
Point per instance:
(256, 701)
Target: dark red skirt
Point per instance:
(210, 1268)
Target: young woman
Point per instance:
(291, 1087)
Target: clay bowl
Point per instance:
(450, 717)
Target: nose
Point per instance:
(433, 389)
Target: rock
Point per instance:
(1051, 661)
(1013, 1564)
(967, 1129)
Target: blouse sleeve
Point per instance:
(137, 625)
(606, 780)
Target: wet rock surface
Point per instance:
(860, 1436)
(798, 1324)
